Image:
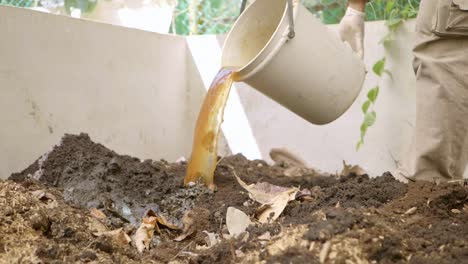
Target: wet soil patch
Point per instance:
(350, 217)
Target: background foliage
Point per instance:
(217, 16)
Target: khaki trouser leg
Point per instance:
(440, 144)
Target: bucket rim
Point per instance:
(274, 43)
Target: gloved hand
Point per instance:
(351, 30)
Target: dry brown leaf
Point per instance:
(119, 236)
(38, 194)
(263, 192)
(349, 169)
(273, 198)
(302, 193)
(46, 197)
(273, 211)
(184, 235)
(165, 222)
(145, 232)
(96, 226)
(97, 213)
(282, 156)
(188, 229)
(295, 166)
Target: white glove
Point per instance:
(351, 30)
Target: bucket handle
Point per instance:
(291, 33)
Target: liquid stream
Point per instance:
(204, 155)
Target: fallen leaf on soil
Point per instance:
(236, 221)
(302, 193)
(273, 211)
(188, 229)
(97, 213)
(118, 235)
(273, 198)
(46, 197)
(295, 166)
(96, 226)
(165, 222)
(145, 232)
(455, 211)
(282, 156)
(263, 192)
(349, 169)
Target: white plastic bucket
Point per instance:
(314, 74)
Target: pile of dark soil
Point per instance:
(45, 213)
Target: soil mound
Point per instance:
(46, 213)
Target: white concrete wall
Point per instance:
(124, 87)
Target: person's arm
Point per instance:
(351, 28)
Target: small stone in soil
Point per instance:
(88, 256)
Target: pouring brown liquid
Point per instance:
(204, 156)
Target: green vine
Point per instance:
(396, 12)
(368, 106)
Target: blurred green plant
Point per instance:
(331, 11)
(194, 17)
(19, 3)
(368, 106)
(85, 6)
(217, 16)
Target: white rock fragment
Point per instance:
(236, 221)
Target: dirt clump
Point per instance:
(56, 210)
(35, 229)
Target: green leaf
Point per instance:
(365, 106)
(359, 144)
(373, 94)
(389, 6)
(387, 39)
(369, 119)
(412, 13)
(363, 131)
(389, 73)
(393, 23)
(379, 67)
